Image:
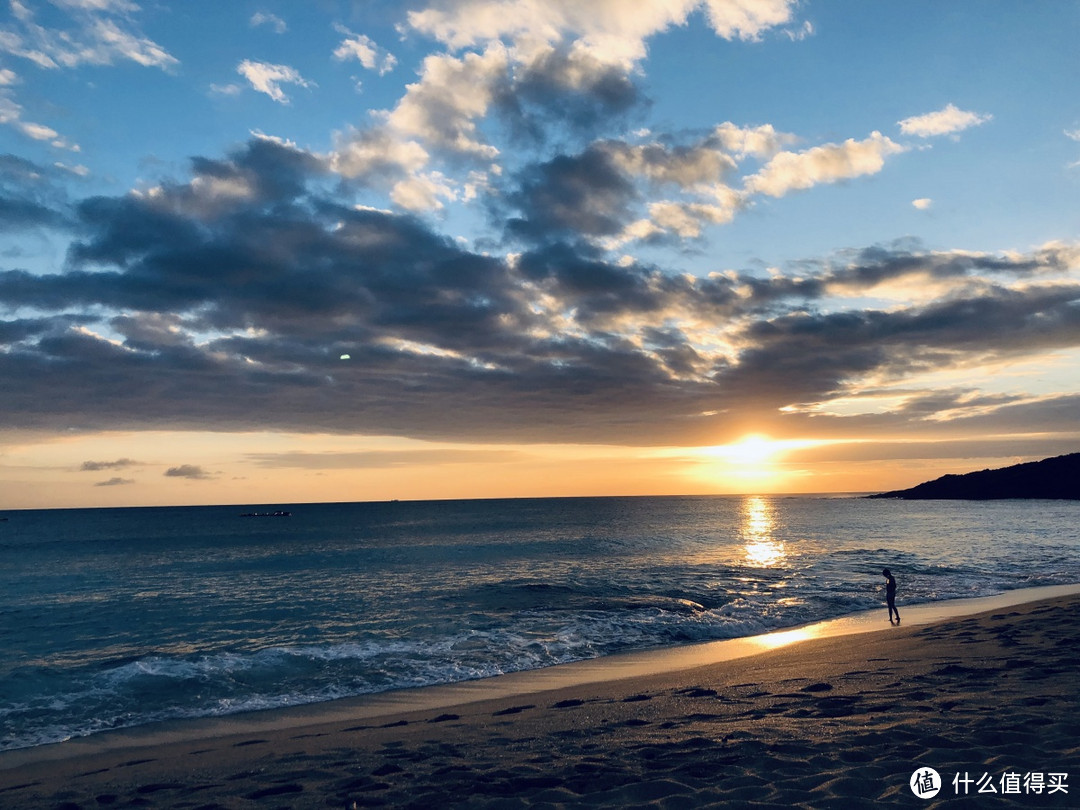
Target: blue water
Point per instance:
(119, 617)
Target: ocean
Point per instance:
(115, 618)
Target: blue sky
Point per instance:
(530, 236)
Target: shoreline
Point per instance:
(824, 722)
(576, 674)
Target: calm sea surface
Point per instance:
(113, 618)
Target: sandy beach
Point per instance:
(989, 701)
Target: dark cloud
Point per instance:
(811, 355)
(115, 482)
(584, 195)
(227, 302)
(97, 466)
(272, 171)
(569, 89)
(187, 471)
(584, 279)
(883, 263)
(18, 330)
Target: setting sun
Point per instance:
(753, 464)
(745, 465)
(752, 450)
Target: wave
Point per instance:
(357, 605)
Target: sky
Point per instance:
(281, 252)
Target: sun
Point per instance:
(750, 451)
(746, 464)
(754, 463)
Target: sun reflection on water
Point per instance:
(761, 548)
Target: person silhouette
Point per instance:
(890, 594)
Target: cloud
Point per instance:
(686, 220)
(364, 50)
(78, 170)
(543, 70)
(923, 203)
(701, 170)
(268, 78)
(539, 63)
(747, 19)
(611, 34)
(584, 194)
(699, 165)
(540, 66)
(97, 466)
(375, 155)
(231, 297)
(377, 158)
(272, 21)
(946, 121)
(560, 86)
(452, 93)
(11, 114)
(191, 471)
(382, 459)
(230, 89)
(802, 32)
(761, 141)
(793, 171)
(439, 113)
(608, 193)
(117, 6)
(226, 297)
(821, 351)
(103, 34)
(115, 482)
(602, 25)
(30, 196)
(559, 345)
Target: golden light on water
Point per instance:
(761, 549)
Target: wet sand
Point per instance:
(835, 721)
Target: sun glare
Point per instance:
(753, 463)
(750, 450)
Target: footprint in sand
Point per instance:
(442, 718)
(699, 692)
(512, 710)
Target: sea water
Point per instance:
(114, 618)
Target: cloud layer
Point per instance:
(257, 291)
(228, 302)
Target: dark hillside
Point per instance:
(1057, 477)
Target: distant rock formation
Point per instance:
(1057, 477)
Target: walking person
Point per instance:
(890, 594)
